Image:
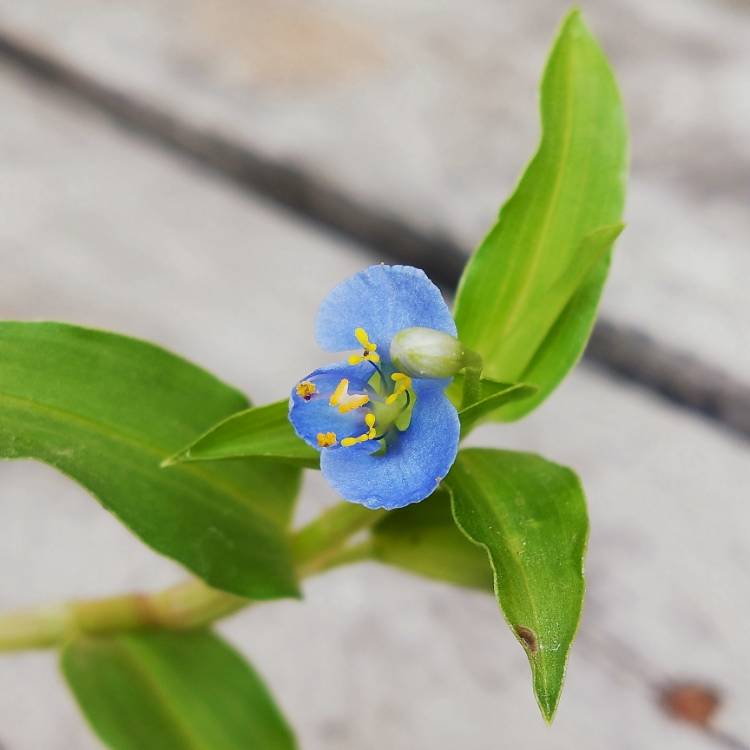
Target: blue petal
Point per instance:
(413, 465)
(316, 415)
(383, 300)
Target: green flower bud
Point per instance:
(427, 353)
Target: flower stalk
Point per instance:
(319, 546)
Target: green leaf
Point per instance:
(530, 516)
(106, 409)
(172, 691)
(570, 325)
(262, 432)
(528, 297)
(423, 538)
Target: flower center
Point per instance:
(389, 401)
(386, 402)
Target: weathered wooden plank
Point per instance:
(428, 115)
(103, 230)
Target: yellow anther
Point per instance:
(370, 422)
(368, 349)
(366, 356)
(346, 401)
(364, 340)
(306, 389)
(326, 439)
(403, 383)
(365, 436)
(340, 391)
(353, 402)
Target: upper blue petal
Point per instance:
(316, 415)
(383, 300)
(414, 464)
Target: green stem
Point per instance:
(329, 531)
(317, 547)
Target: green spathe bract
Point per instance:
(424, 539)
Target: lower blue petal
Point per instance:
(414, 464)
(383, 300)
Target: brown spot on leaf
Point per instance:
(690, 702)
(528, 636)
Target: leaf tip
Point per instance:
(548, 713)
(572, 17)
(180, 457)
(547, 698)
(548, 706)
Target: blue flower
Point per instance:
(386, 438)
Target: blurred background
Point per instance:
(200, 173)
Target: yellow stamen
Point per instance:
(340, 391)
(364, 340)
(368, 349)
(403, 383)
(346, 401)
(370, 422)
(326, 439)
(353, 402)
(364, 437)
(366, 356)
(306, 389)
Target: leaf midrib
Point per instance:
(173, 715)
(299, 450)
(562, 165)
(106, 430)
(536, 664)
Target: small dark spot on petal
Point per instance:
(528, 636)
(690, 702)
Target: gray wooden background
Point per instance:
(161, 162)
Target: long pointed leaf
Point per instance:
(106, 409)
(574, 185)
(261, 432)
(530, 516)
(172, 691)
